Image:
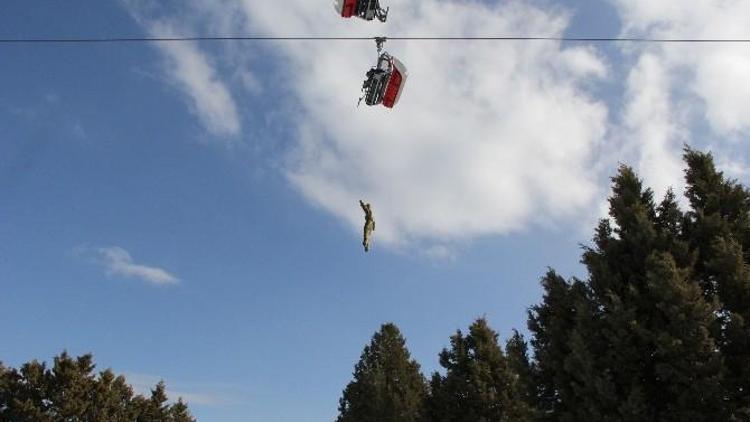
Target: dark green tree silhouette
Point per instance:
(718, 230)
(479, 384)
(517, 353)
(71, 391)
(387, 384)
(637, 340)
(557, 325)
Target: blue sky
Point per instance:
(189, 212)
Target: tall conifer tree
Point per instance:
(636, 343)
(387, 385)
(718, 230)
(517, 352)
(479, 384)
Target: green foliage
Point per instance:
(71, 391)
(480, 384)
(657, 331)
(718, 229)
(517, 354)
(387, 385)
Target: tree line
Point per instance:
(71, 391)
(659, 330)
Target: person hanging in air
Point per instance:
(369, 224)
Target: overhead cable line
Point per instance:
(105, 40)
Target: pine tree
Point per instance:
(71, 381)
(718, 230)
(517, 353)
(179, 412)
(564, 371)
(387, 384)
(155, 408)
(109, 394)
(634, 342)
(479, 384)
(70, 391)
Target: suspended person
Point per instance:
(369, 224)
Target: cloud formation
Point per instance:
(487, 138)
(192, 71)
(655, 131)
(694, 93)
(200, 394)
(118, 262)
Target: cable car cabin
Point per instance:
(385, 82)
(365, 9)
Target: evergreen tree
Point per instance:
(563, 372)
(155, 407)
(635, 342)
(387, 385)
(71, 391)
(718, 230)
(517, 353)
(479, 384)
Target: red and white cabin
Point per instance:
(346, 8)
(395, 84)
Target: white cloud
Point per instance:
(732, 167)
(686, 93)
(716, 73)
(192, 71)
(118, 262)
(441, 252)
(488, 138)
(584, 62)
(203, 394)
(210, 99)
(652, 127)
